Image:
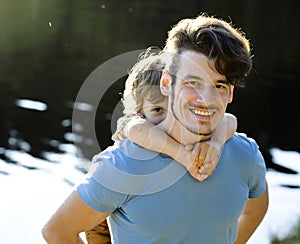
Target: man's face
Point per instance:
(200, 95)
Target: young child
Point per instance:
(144, 108)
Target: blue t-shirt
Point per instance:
(153, 199)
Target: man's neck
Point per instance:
(180, 133)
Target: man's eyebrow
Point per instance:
(226, 82)
(195, 77)
(192, 77)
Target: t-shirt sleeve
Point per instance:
(122, 122)
(258, 179)
(98, 196)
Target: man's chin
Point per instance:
(200, 128)
(200, 132)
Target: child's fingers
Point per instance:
(213, 152)
(203, 172)
(208, 168)
(203, 165)
(203, 152)
(193, 167)
(196, 151)
(214, 165)
(202, 177)
(194, 172)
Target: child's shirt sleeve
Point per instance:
(121, 123)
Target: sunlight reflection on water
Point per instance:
(31, 104)
(27, 194)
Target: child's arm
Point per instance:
(147, 135)
(210, 150)
(225, 130)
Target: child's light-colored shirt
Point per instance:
(121, 123)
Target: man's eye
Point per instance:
(221, 86)
(192, 83)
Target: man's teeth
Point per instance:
(203, 113)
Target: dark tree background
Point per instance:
(49, 48)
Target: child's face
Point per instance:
(155, 112)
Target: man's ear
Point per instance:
(231, 88)
(165, 83)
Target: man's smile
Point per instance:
(202, 112)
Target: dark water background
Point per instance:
(48, 49)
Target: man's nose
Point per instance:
(207, 95)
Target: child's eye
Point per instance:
(157, 110)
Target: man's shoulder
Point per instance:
(131, 169)
(242, 145)
(244, 141)
(244, 151)
(124, 149)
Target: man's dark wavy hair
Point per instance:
(225, 45)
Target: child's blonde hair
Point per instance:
(143, 82)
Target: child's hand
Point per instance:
(198, 157)
(188, 156)
(208, 159)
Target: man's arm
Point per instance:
(71, 218)
(251, 217)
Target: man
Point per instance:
(151, 199)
